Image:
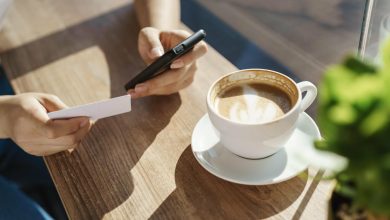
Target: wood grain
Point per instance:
(137, 165)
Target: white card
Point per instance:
(96, 110)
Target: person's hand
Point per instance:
(152, 43)
(24, 119)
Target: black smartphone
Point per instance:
(163, 63)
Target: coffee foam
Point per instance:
(251, 106)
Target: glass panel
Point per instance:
(376, 28)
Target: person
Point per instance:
(24, 118)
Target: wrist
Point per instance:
(160, 14)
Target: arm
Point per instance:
(161, 14)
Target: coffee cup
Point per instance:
(255, 111)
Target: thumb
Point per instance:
(51, 102)
(152, 42)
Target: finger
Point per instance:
(198, 51)
(188, 73)
(51, 102)
(150, 43)
(172, 38)
(71, 140)
(61, 144)
(134, 95)
(185, 82)
(175, 87)
(39, 113)
(40, 149)
(52, 149)
(67, 140)
(171, 88)
(54, 128)
(168, 77)
(63, 127)
(131, 92)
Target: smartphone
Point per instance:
(163, 63)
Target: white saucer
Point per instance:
(283, 165)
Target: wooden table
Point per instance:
(137, 165)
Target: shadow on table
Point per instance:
(201, 195)
(97, 173)
(95, 178)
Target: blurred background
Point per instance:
(297, 37)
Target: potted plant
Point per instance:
(354, 118)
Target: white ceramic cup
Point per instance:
(259, 140)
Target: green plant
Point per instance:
(354, 117)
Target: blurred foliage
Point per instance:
(354, 117)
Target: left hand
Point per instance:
(24, 119)
(152, 43)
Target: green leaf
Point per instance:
(342, 114)
(374, 122)
(358, 66)
(386, 161)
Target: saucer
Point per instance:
(281, 166)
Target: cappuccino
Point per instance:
(252, 102)
(255, 111)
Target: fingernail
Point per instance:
(156, 52)
(140, 88)
(177, 64)
(84, 122)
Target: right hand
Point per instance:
(24, 119)
(152, 43)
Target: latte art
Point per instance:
(256, 109)
(252, 103)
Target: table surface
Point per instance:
(140, 164)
